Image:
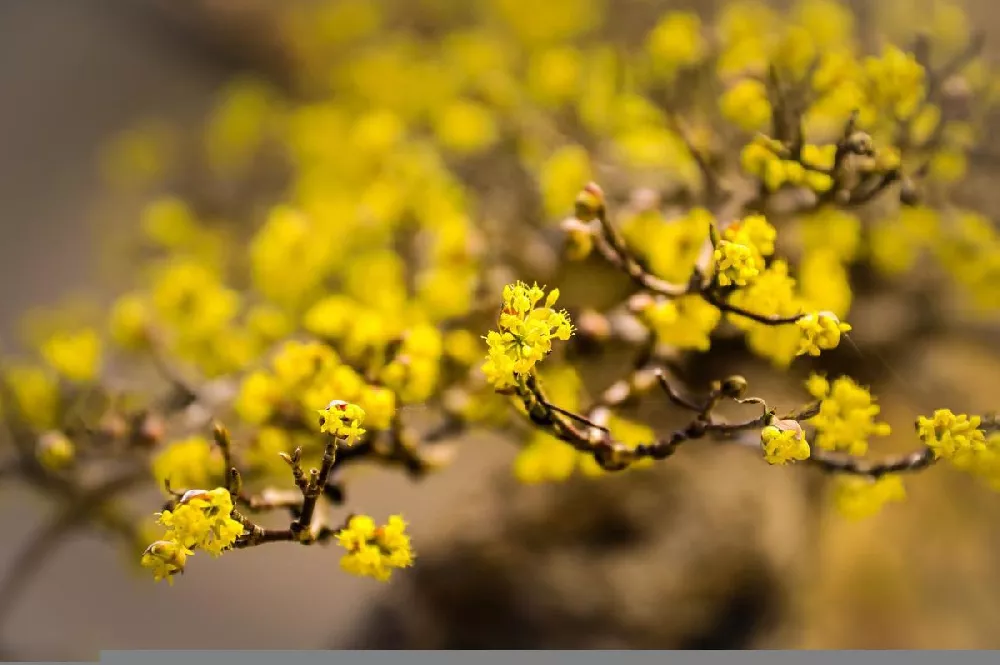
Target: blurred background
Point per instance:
(711, 550)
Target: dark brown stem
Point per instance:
(314, 489)
(833, 462)
(675, 396)
(713, 298)
(612, 246)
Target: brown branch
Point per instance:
(712, 297)
(613, 248)
(833, 462)
(676, 397)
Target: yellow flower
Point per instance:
(188, 463)
(171, 223)
(735, 264)
(773, 293)
(949, 26)
(379, 405)
(831, 230)
(794, 51)
(268, 323)
(462, 346)
(753, 231)
(783, 442)
(562, 177)
(375, 551)
(343, 420)
(551, 22)
(525, 333)
(948, 165)
(671, 246)
(858, 497)
(820, 331)
(265, 448)
(36, 394)
(952, 436)
(331, 317)
(287, 264)
(676, 42)
(825, 283)
(466, 127)
(202, 520)
(129, 321)
(189, 297)
(685, 323)
(377, 132)
(819, 156)
(298, 363)
(75, 355)
(846, 418)
(238, 123)
(259, 393)
(925, 123)
(895, 82)
(746, 105)
(828, 22)
(554, 75)
(165, 558)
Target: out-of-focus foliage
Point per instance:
(353, 237)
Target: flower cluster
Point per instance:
(846, 418)
(375, 551)
(301, 376)
(740, 254)
(342, 420)
(201, 520)
(858, 497)
(784, 441)
(820, 331)
(525, 333)
(762, 158)
(952, 436)
(188, 463)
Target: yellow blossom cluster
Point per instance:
(375, 551)
(762, 158)
(201, 520)
(859, 497)
(343, 421)
(525, 333)
(784, 441)
(301, 376)
(846, 418)
(188, 463)
(953, 437)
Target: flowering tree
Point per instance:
(746, 179)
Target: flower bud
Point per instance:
(579, 239)
(589, 202)
(54, 450)
(734, 387)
